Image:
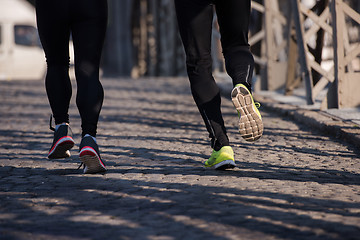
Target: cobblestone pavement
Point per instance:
(294, 183)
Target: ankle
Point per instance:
(58, 125)
(88, 135)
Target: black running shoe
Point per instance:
(90, 156)
(62, 143)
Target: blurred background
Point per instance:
(296, 44)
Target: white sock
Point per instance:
(88, 135)
(58, 125)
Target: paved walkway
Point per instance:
(294, 183)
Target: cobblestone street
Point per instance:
(293, 183)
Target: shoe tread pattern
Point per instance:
(250, 123)
(227, 164)
(61, 150)
(91, 161)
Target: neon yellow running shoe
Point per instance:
(222, 159)
(250, 123)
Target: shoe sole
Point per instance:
(61, 148)
(91, 160)
(227, 164)
(250, 123)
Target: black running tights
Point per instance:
(86, 21)
(195, 20)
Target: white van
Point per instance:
(21, 55)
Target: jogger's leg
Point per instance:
(54, 34)
(233, 17)
(88, 31)
(195, 25)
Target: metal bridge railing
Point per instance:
(316, 42)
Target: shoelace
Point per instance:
(50, 123)
(81, 164)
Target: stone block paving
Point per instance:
(294, 183)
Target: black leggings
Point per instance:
(195, 20)
(86, 21)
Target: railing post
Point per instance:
(302, 50)
(346, 87)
